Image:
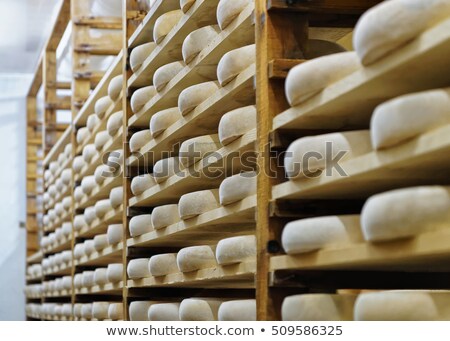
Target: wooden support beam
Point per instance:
(322, 6)
(279, 68)
(111, 23)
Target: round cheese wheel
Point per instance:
(165, 168)
(139, 54)
(405, 212)
(236, 250)
(140, 225)
(66, 310)
(100, 242)
(100, 310)
(228, 10)
(88, 184)
(100, 276)
(115, 87)
(115, 311)
(68, 150)
(78, 194)
(197, 148)
(186, 4)
(317, 307)
(101, 173)
(141, 97)
(236, 123)
(61, 159)
(165, 23)
(141, 183)
(82, 135)
(192, 96)
(78, 163)
(234, 62)
(195, 309)
(101, 139)
(115, 160)
(47, 175)
(67, 203)
(102, 105)
(78, 280)
(164, 312)
(78, 251)
(308, 79)
(164, 119)
(102, 207)
(318, 151)
(408, 116)
(86, 311)
(59, 185)
(138, 268)
(89, 215)
(92, 122)
(163, 264)
(66, 282)
(165, 215)
(53, 167)
(114, 272)
(196, 203)
(237, 187)
(88, 279)
(116, 197)
(79, 222)
(52, 191)
(114, 123)
(89, 247)
(197, 40)
(389, 25)
(67, 256)
(165, 74)
(138, 310)
(59, 209)
(114, 233)
(195, 258)
(89, 153)
(139, 139)
(66, 229)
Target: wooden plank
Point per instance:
(349, 103)
(109, 289)
(279, 68)
(323, 6)
(110, 23)
(36, 258)
(52, 155)
(59, 27)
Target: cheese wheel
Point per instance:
(234, 62)
(79, 222)
(197, 40)
(141, 183)
(78, 163)
(47, 175)
(100, 242)
(319, 151)
(165, 168)
(195, 309)
(164, 312)
(306, 235)
(405, 213)
(308, 79)
(92, 122)
(66, 310)
(89, 247)
(89, 215)
(88, 184)
(192, 96)
(114, 272)
(236, 250)
(165, 23)
(239, 310)
(102, 105)
(318, 307)
(139, 139)
(82, 135)
(114, 123)
(165, 74)
(102, 173)
(163, 264)
(115, 311)
(398, 306)
(197, 148)
(67, 256)
(66, 282)
(389, 25)
(78, 194)
(78, 251)
(165, 215)
(139, 54)
(236, 123)
(186, 4)
(61, 159)
(89, 153)
(138, 310)
(138, 268)
(78, 281)
(237, 187)
(100, 310)
(88, 279)
(115, 160)
(59, 185)
(101, 139)
(59, 209)
(66, 229)
(164, 119)
(141, 97)
(67, 203)
(102, 207)
(196, 203)
(115, 87)
(195, 258)
(116, 197)
(100, 276)
(408, 116)
(52, 191)
(228, 10)
(114, 233)
(86, 311)
(53, 167)
(68, 150)
(66, 176)
(140, 225)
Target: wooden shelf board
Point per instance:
(58, 147)
(35, 258)
(349, 103)
(62, 293)
(111, 254)
(100, 192)
(209, 227)
(100, 226)
(109, 288)
(31, 280)
(198, 176)
(67, 270)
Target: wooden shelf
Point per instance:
(349, 103)
(65, 245)
(109, 289)
(209, 227)
(426, 252)
(239, 275)
(203, 120)
(99, 192)
(67, 270)
(111, 254)
(100, 226)
(62, 293)
(31, 280)
(59, 146)
(419, 161)
(197, 177)
(36, 258)
(201, 69)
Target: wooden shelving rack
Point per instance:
(280, 30)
